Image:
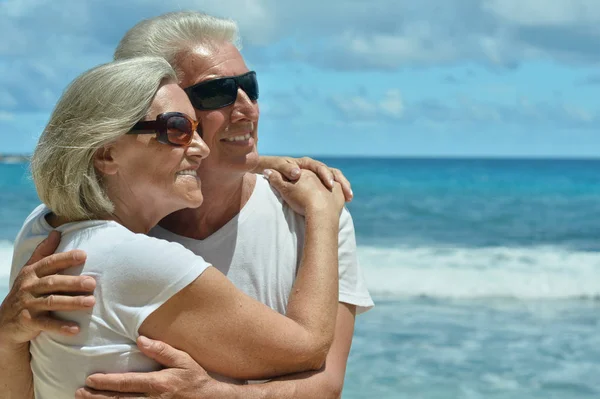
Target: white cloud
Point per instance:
(392, 104)
(545, 12)
(48, 42)
(6, 116)
(7, 101)
(383, 34)
(464, 112)
(363, 109)
(389, 34)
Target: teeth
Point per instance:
(239, 138)
(188, 172)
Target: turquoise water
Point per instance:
(486, 275)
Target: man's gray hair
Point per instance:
(175, 35)
(95, 109)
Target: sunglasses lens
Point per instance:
(249, 84)
(179, 130)
(214, 94)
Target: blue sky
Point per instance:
(350, 77)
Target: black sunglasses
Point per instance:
(173, 128)
(221, 92)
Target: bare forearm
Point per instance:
(307, 385)
(314, 297)
(16, 378)
(325, 383)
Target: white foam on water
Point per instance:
(495, 272)
(446, 272)
(6, 250)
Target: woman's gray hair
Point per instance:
(95, 109)
(176, 34)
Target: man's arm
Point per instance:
(25, 312)
(185, 379)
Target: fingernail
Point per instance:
(89, 301)
(145, 342)
(295, 172)
(70, 329)
(331, 182)
(267, 172)
(65, 329)
(351, 193)
(78, 256)
(89, 284)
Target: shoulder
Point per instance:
(34, 230)
(152, 249)
(264, 191)
(346, 222)
(126, 262)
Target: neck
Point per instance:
(134, 209)
(225, 194)
(135, 217)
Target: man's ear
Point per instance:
(104, 160)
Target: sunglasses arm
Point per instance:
(144, 127)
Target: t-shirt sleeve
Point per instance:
(352, 284)
(141, 275)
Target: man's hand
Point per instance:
(290, 168)
(183, 379)
(37, 291)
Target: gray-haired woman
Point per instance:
(105, 182)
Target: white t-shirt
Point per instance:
(260, 250)
(135, 275)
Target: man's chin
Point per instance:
(235, 163)
(246, 164)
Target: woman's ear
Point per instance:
(104, 160)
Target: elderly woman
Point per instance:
(121, 152)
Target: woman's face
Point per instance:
(159, 177)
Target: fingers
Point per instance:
(64, 303)
(45, 248)
(54, 263)
(346, 187)
(318, 168)
(58, 283)
(275, 179)
(48, 324)
(325, 175)
(164, 353)
(88, 393)
(126, 383)
(290, 170)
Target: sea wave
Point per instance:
(458, 272)
(6, 250)
(493, 272)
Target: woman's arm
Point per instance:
(229, 333)
(291, 168)
(24, 313)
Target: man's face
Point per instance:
(221, 126)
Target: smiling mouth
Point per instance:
(238, 138)
(191, 172)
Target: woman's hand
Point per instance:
(308, 193)
(291, 167)
(38, 290)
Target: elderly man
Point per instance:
(242, 226)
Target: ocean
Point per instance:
(485, 272)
